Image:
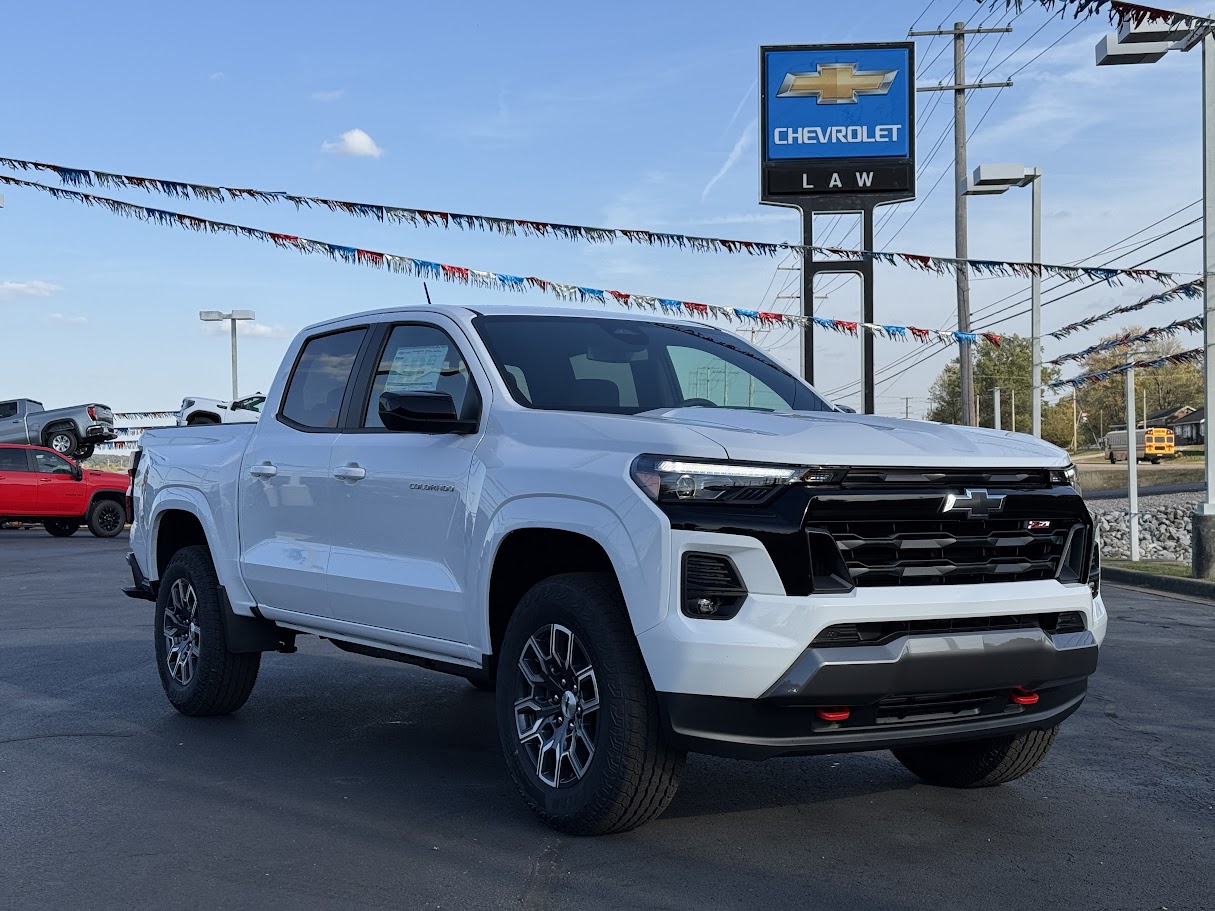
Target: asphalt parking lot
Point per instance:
(351, 783)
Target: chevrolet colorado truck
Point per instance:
(72, 432)
(643, 533)
(39, 485)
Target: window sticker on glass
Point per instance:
(416, 369)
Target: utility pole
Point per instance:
(1012, 390)
(995, 394)
(906, 407)
(959, 89)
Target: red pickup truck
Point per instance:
(40, 485)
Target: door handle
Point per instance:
(264, 470)
(351, 472)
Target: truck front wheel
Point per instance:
(107, 518)
(979, 763)
(577, 714)
(199, 675)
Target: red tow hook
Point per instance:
(1022, 696)
(837, 713)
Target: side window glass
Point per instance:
(13, 460)
(703, 375)
(8, 409)
(49, 463)
(314, 395)
(422, 359)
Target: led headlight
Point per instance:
(1065, 477)
(669, 479)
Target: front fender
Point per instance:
(641, 581)
(224, 550)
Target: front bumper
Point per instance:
(745, 656)
(763, 728)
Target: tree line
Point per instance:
(1096, 407)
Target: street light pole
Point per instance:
(1132, 463)
(991, 180)
(995, 395)
(212, 316)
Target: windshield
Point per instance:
(625, 367)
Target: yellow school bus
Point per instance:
(1152, 444)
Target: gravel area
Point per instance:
(1164, 526)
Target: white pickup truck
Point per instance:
(645, 534)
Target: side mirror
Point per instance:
(847, 409)
(77, 472)
(422, 412)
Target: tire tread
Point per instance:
(223, 679)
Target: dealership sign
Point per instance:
(838, 120)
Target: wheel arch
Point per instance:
(536, 537)
(180, 517)
(195, 415)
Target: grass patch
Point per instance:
(1155, 567)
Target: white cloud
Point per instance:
(62, 319)
(215, 77)
(741, 104)
(328, 95)
(355, 143)
(248, 329)
(745, 141)
(34, 288)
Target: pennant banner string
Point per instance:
(1188, 290)
(1193, 356)
(77, 177)
(1120, 13)
(1193, 324)
(464, 275)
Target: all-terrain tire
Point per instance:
(63, 441)
(979, 763)
(107, 518)
(60, 528)
(201, 419)
(219, 681)
(634, 771)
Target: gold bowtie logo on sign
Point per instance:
(837, 83)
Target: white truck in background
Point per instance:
(646, 535)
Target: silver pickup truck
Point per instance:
(70, 431)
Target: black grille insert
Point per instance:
(939, 478)
(902, 709)
(884, 631)
(948, 551)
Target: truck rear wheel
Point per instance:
(60, 528)
(577, 714)
(979, 763)
(62, 441)
(107, 518)
(199, 675)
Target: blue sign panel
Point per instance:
(837, 103)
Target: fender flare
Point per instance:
(227, 567)
(577, 515)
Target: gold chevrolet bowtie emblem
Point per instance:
(837, 83)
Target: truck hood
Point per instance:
(836, 438)
(110, 480)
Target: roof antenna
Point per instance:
(427, 290)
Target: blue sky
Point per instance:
(627, 114)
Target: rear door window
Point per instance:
(13, 460)
(318, 383)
